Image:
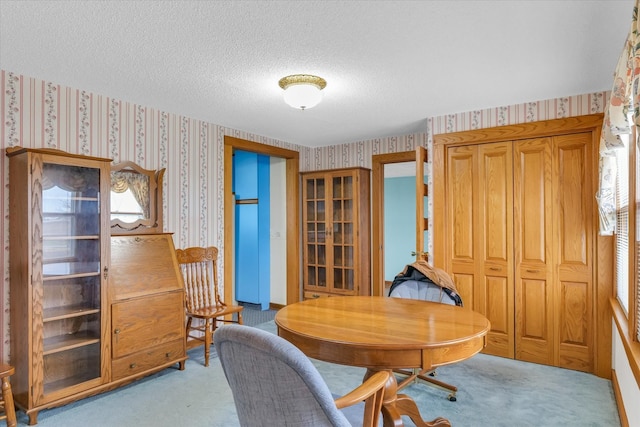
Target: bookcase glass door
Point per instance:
(316, 231)
(330, 242)
(342, 224)
(71, 275)
(336, 251)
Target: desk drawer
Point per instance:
(315, 294)
(143, 323)
(147, 359)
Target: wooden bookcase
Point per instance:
(336, 230)
(59, 259)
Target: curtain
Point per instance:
(621, 113)
(122, 181)
(70, 178)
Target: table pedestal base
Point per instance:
(395, 405)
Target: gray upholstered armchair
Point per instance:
(275, 384)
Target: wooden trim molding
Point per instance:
(292, 211)
(524, 130)
(622, 412)
(631, 347)
(256, 147)
(377, 213)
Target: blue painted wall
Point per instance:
(399, 224)
(252, 254)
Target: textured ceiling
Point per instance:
(389, 65)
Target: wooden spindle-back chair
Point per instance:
(202, 295)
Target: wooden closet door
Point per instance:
(533, 234)
(573, 224)
(495, 246)
(479, 220)
(553, 247)
(561, 311)
(461, 224)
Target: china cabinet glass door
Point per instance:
(71, 275)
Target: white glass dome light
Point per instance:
(302, 91)
(302, 96)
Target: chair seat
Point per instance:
(213, 311)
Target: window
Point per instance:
(627, 234)
(125, 207)
(622, 225)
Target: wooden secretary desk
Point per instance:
(146, 290)
(91, 309)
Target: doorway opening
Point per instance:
(292, 250)
(418, 238)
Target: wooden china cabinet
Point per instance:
(91, 310)
(59, 257)
(336, 244)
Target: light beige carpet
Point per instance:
(493, 391)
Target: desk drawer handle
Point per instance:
(315, 296)
(495, 268)
(167, 355)
(529, 270)
(133, 366)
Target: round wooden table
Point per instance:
(384, 333)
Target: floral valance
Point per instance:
(620, 115)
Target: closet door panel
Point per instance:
(574, 246)
(532, 323)
(498, 303)
(534, 295)
(534, 269)
(495, 247)
(533, 186)
(575, 327)
(574, 208)
(461, 222)
(495, 182)
(461, 202)
(464, 283)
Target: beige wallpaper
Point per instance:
(41, 114)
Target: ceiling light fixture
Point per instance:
(302, 91)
